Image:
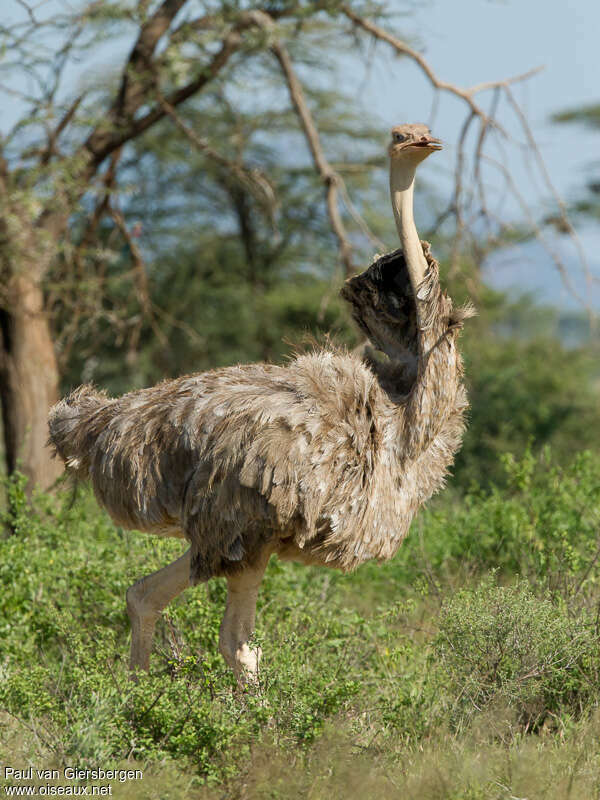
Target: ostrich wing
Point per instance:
(283, 449)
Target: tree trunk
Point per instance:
(28, 382)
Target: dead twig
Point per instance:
(539, 235)
(51, 146)
(141, 279)
(467, 94)
(563, 214)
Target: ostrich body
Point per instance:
(324, 460)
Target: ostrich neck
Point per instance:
(431, 401)
(402, 184)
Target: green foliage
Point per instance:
(529, 384)
(526, 391)
(64, 643)
(544, 525)
(587, 115)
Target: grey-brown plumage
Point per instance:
(325, 459)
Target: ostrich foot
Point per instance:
(247, 660)
(243, 661)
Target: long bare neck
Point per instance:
(402, 184)
(433, 396)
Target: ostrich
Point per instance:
(324, 461)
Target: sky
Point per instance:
(470, 41)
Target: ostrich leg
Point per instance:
(238, 623)
(145, 601)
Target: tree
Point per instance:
(61, 163)
(590, 117)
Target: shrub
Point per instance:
(502, 646)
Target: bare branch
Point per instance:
(564, 216)
(487, 122)
(29, 11)
(109, 180)
(53, 136)
(139, 267)
(558, 262)
(359, 219)
(456, 202)
(478, 153)
(330, 178)
(464, 94)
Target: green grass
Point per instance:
(467, 667)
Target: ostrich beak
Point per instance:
(427, 141)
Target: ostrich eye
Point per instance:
(398, 137)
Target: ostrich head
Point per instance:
(411, 144)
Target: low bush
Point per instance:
(502, 646)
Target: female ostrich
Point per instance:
(325, 460)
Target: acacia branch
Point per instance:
(53, 136)
(328, 175)
(137, 76)
(403, 49)
(106, 141)
(138, 70)
(123, 126)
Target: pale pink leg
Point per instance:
(145, 601)
(238, 622)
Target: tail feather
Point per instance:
(64, 423)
